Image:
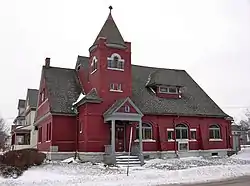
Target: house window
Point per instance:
(115, 62)
(127, 108)
(214, 132)
(80, 127)
(181, 131)
(193, 134)
(115, 87)
(94, 65)
(170, 133)
(182, 146)
(146, 131)
(168, 90)
(40, 134)
(48, 136)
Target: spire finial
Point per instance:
(110, 8)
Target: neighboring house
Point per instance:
(25, 135)
(92, 108)
(244, 134)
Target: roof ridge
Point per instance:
(62, 68)
(158, 68)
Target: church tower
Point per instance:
(110, 63)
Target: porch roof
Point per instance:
(113, 114)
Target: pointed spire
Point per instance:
(110, 31)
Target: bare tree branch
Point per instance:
(3, 133)
(245, 124)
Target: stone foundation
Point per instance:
(102, 157)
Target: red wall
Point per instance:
(161, 123)
(64, 132)
(44, 145)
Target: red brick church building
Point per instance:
(90, 109)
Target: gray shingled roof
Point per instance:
(110, 32)
(193, 102)
(21, 103)
(63, 88)
(32, 96)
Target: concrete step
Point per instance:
(134, 161)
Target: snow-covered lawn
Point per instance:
(154, 172)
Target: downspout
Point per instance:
(175, 150)
(77, 136)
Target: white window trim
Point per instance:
(118, 69)
(171, 140)
(170, 129)
(177, 92)
(181, 142)
(145, 140)
(192, 139)
(119, 59)
(115, 90)
(215, 139)
(93, 71)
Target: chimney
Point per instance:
(47, 62)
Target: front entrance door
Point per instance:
(119, 138)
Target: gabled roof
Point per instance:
(32, 96)
(91, 97)
(118, 104)
(111, 32)
(194, 101)
(63, 88)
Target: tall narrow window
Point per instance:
(94, 65)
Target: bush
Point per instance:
(23, 158)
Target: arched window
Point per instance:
(214, 132)
(115, 62)
(146, 131)
(181, 131)
(94, 65)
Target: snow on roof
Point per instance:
(81, 96)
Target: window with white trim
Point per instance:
(183, 146)
(214, 132)
(115, 87)
(115, 62)
(127, 108)
(170, 133)
(146, 131)
(181, 131)
(193, 134)
(94, 65)
(168, 90)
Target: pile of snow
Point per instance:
(154, 172)
(70, 160)
(244, 154)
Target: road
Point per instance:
(241, 181)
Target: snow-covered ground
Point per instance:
(154, 172)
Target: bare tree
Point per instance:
(245, 124)
(3, 133)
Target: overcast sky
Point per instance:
(210, 39)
